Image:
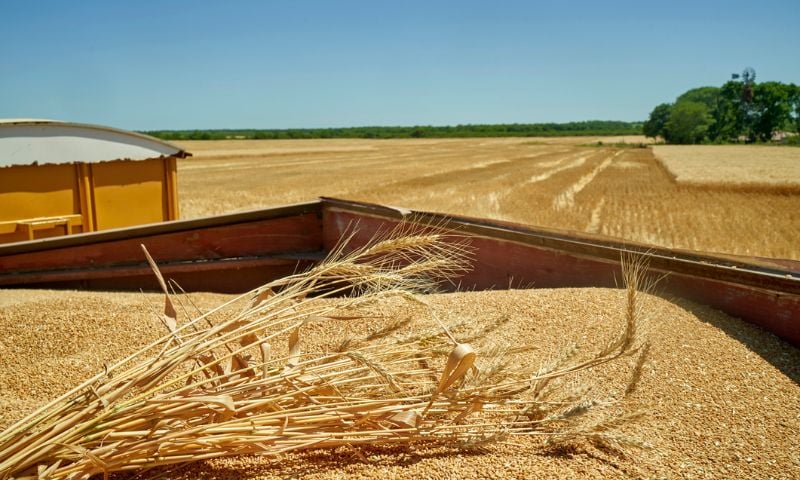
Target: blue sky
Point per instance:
(287, 64)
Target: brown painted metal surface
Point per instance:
(233, 253)
(506, 255)
(228, 253)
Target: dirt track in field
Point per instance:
(557, 183)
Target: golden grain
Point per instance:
(717, 390)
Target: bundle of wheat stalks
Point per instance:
(215, 386)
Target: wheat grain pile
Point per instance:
(721, 397)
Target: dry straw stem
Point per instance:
(236, 381)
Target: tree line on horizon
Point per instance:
(741, 110)
(585, 128)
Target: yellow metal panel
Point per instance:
(38, 191)
(51, 200)
(85, 197)
(171, 186)
(13, 232)
(40, 227)
(128, 193)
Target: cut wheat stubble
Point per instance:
(208, 390)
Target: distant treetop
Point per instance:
(586, 128)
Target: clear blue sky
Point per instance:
(285, 64)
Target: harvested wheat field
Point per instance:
(720, 398)
(556, 182)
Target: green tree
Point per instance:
(417, 132)
(654, 126)
(736, 110)
(729, 113)
(708, 96)
(771, 109)
(794, 108)
(688, 123)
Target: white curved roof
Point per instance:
(28, 141)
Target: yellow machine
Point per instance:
(62, 178)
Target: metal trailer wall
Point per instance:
(60, 178)
(40, 201)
